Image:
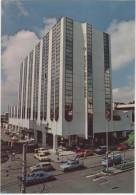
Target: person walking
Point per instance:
(13, 156)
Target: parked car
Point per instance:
(15, 138)
(101, 150)
(37, 177)
(32, 145)
(85, 153)
(44, 166)
(71, 165)
(12, 134)
(116, 160)
(122, 147)
(42, 150)
(41, 157)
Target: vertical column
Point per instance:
(55, 142)
(44, 139)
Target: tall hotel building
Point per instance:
(65, 86)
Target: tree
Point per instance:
(130, 140)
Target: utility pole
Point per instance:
(23, 184)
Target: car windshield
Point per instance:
(32, 175)
(42, 155)
(42, 149)
(38, 165)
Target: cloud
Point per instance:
(16, 48)
(22, 10)
(49, 23)
(122, 43)
(125, 94)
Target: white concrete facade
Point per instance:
(79, 124)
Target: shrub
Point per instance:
(125, 166)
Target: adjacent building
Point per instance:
(65, 87)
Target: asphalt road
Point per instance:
(80, 181)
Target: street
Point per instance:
(85, 180)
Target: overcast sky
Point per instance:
(24, 23)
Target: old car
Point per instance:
(112, 159)
(71, 165)
(41, 157)
(44, 166)
(101, 150)
(15, 138)
(37, 177)
(85, 153)
(122, 147)
(42, 150)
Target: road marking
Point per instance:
(95, 175)
(90, 176)
(104, 182)
(98, 178)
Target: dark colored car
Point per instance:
(101, 150)
(37, 177)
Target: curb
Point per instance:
(123, 171)
(119, 171)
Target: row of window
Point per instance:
(89, 80)
(44, 78)
(30, 85)
(24, 87)
(69, 70)
(20, 90)
(107, 77)
(36, 81)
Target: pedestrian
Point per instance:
(9, 144)
(13, 156)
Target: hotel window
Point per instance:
(89, 80)
(20, 90)
(36, 81)
(69, 70)
(53, 72)
(29, 85)
(107, 77)
(57, 76)
(24, 88)
(44, 78)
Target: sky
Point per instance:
(24, 23)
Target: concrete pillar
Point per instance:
(55, 142)
(114, 134)
(124, 133)
(69, 143)
(44, 139)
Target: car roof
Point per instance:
(39, 172)
(103, 146)
(43, 163)
(41, 153)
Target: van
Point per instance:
(116, 159)
(44, 166)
